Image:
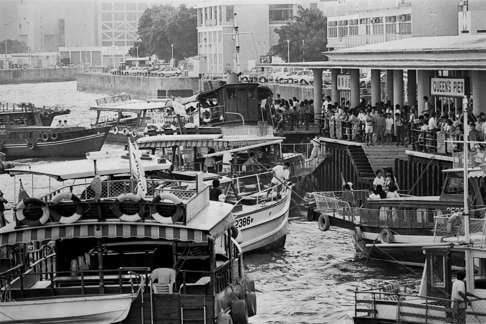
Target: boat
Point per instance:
(137, 118)
(27, 114)
(158, 255)
(261, 206)
(51, 142)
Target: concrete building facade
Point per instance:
(256, 21)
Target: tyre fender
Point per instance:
(386, 236)
(324, 222)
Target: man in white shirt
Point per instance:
(379, 179)
(459, 298)
(281, 174)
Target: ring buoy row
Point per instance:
(125, 132)
(67, 196)
(46, 136)
(39, 215)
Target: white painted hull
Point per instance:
(269, 225)
(103, 309)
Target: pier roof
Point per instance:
(463, 52)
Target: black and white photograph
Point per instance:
(242, 161)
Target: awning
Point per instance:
(161, 141)
(132, 106)
(82, 230)
(243, 148)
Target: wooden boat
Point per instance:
(50, 142)
(261, 208)
(26, 114)
(107, 239)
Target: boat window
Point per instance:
(454, 185)
(479, 273)
(438, 269)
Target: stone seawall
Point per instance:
(37, 75)
(142, 86)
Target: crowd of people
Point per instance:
(288, 113)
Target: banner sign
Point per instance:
(344, 82)
(448, 87)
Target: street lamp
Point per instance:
(288, 50)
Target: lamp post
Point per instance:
(288, 50)
(172, 54)
(303, 45)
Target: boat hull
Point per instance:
(70, 147)
(83, 309)
(268, 224)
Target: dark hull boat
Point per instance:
(49, 142)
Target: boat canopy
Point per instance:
(214, 220)
(161, 141)
(133, 106)
(81, 169)
(475, 172)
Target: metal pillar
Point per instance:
(389, 86)
(423, 89)
(478, 86)
(317, 94)
(355, 95)
(375, 87)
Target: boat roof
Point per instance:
(80, 169)
(211, 222)
(208, 140)
(475, 172)
(132, 105)
(269, 141)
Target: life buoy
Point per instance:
(126, 132)
(206, 115)
(455, 217)
(32, 220)
(239, 313)
(115, 130)
(44, 137)
(323, 222)
(54, 136)
(125, 198)
(175, 217)
(386, 236)
(134, 134)
(66, 219)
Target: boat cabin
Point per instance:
(30, 116)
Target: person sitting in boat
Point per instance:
(210, 162)
(379, 179)
(392, 191)
(215, 192)
(459, 298)
(348, 195)
(281, 174)
(250, 164)
(390, 179)
(380, 192)
(373, 195)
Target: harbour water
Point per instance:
(311, 281)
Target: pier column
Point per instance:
(389, 86)
(375, 87)
(423, 89)
(478, 91)
(334, 90)
(412, 87)
(355, 99)
(317, 94)
(397, 88)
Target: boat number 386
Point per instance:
(243, 221)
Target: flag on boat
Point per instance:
(136, 169)
(22, 193)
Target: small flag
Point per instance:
(136, 169)
(22, 193)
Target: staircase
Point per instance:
(384, 156)
(361, 161)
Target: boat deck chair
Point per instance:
(162, 280)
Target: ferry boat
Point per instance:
(26, 114)
(136, 118)
(50, 142)
(261, 202)
(168, 255)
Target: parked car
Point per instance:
(304, 77)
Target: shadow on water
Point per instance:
(314, 278)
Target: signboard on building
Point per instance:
(448, 87)
(344, 82)
(265, 59)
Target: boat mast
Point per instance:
(467, 237)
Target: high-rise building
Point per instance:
(256, 21)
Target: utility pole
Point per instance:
(236, 31)
(303, 50)
(288, 50)
(172, 53)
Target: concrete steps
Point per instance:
(384, 156)
(360, 161)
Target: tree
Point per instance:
(9, 46)
(161, 26)
(307, 35)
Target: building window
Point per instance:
(280, 13)
(353, 27)
(230, 10)
(405, 24)
(377, 25)
(332, 32)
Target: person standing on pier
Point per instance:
(3, 201)
(459, 298)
